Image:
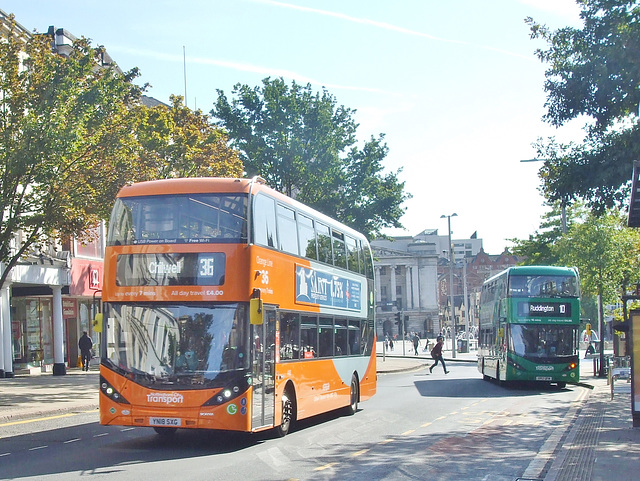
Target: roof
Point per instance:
(634, 203)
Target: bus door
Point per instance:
(263, 365)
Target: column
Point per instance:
(415, 279)
(392, 296)
(409, 284)
(59, 368)
(5, 333)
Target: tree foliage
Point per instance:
(66, 140)
(178, 142)
(73, 132)
(593, 73)
(303, 144)
(606, 252)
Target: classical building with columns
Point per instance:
(413, 282)
(407, 280)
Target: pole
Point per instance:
(466, 303)
(453, 307)
(402, 321)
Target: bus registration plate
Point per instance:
(544, 378)
(173, 422)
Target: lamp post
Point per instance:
(453, 312)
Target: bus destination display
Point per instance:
(171, 269)
(544, 309)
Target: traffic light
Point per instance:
(398, 317)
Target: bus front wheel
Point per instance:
(287, 414)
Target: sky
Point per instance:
(455, 87)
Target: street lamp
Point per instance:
(453, 313)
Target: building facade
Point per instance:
(413, 277)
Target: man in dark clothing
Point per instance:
(436, 354)
(416, 343)
(85, 344)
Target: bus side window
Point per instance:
(264, 221)
(368, 261)
(325, 337)
(324, 243)
(287, 230)
(341, 337)
(307, 237)
(354, 337)
(353, 261)
(308, 337)
(289, 336)
(339, 252)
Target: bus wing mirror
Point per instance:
(255, 311)
(97, 323)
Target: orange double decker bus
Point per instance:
(228, 305)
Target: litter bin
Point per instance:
(463, 345)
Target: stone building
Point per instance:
(412, 274)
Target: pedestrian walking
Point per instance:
(391, 344)
(416, 343)
(85, 344)
(436, 354)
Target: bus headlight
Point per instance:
(109, 391)
(229, 392)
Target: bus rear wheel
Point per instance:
(354, 396)
(287, 415)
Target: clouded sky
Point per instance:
(454, 86)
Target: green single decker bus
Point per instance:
(529, 322)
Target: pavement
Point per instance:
(597, 443)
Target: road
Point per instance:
(418, 426)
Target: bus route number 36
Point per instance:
(207, 267)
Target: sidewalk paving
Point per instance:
(599, 444)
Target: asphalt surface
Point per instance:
(599, 444)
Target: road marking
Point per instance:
(100, 435)
(386, 441)
(4, 454)
(126, 429)
(440, 418)
(407, 432)
(326, 466)
(426, 424)
(26, 421)
(38, 447)
(359, 453)
(71, 441)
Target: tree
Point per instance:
(303, 144)
(607, 256)
(74, 132)
(539, 248)
(593, 74)
(66, 141)
(178, 142)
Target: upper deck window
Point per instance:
(179, 219)
(543, 286)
